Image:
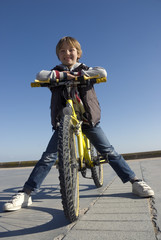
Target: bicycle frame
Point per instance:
(83, 142)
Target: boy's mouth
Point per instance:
(68, 59)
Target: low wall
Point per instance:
(127, 156)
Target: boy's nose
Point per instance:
(67, 52)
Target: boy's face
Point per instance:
(68, 55)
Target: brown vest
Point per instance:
(87, 95)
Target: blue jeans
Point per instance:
(101, 143)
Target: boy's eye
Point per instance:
(72, 50)
(62, 50)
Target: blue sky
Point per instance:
(123, 36)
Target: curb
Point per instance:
(127, 156)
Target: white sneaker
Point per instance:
(19, 200)
(141, 189)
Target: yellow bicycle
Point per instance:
(75, 152)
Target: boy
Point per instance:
(69, 52)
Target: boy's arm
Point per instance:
(54, 74)
(93, 72)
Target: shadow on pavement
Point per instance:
(57, 222)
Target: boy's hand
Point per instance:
(69, 75)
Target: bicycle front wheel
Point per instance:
(97, 171)
(68, 168)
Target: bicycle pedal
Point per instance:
(104, 161)
(98, 161)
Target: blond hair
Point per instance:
(70, 41)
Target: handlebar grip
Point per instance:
(44, 83)
(100, 80)
(35, 84)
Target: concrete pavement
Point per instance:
(111, 212)
(116, 214)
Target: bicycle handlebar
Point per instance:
(82, 80)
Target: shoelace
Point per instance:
(144, 185)
(15, 197)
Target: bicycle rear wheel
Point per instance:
(97, 171)
(68, 169)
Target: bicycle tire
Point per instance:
(97, 171)
(68, 169)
